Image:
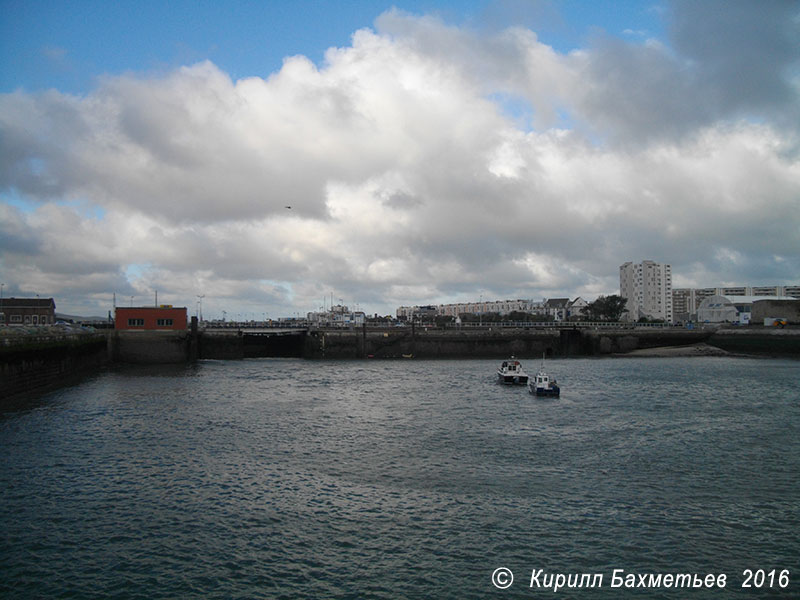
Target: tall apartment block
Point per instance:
(647, 286)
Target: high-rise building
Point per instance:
(647, 287)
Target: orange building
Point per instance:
(150, 317)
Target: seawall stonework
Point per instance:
(41, 362)
(37, 364)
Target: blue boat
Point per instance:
(543, 385)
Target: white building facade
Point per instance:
(337, 316)
(647, 287)
(502, 307)
(731, 309)
(686, 301)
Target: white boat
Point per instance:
(543, 385)
(511, 372)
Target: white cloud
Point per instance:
(410, 179)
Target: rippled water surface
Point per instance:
(410, 479)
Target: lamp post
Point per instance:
(200, 306)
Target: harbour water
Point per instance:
(284, 478)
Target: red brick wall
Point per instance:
(150, 317)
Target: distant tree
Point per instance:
(530, 317)
(646, 319)
(518, 315)
(379, 320)
(606, 308)
(442, 320)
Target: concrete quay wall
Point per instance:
(491, 343)
(421, 342)
(601, 342)
(39, 363)
(35, 363)
(762, 341)
(430, 343)
(221, 346)
(152, 347)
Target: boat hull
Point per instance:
(546, 392)
(512, 379)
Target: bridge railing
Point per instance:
(44, 338)
(501, 325)
(544, 325)
(234, 326)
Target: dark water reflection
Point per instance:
(410, 479)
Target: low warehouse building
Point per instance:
(768, 311)
(731, 309)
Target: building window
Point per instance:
(135, 322)
(27, 319)
(164, 322)
(16, 318)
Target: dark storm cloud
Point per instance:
(743, 54)
(728, 60)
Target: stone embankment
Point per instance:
(44, 358)
(757, 340)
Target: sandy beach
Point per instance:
(666, 351)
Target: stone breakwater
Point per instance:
(30, 363)
(490, 342)
(35, 362)
(499, 343)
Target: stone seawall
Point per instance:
(431, 343)
(40, 363)
(491, 343)
(764, 341)
(37, 363)
(145, 347)
(600, 342)
(221, 346)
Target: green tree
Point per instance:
(606, 308)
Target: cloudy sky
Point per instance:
(429, 151)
